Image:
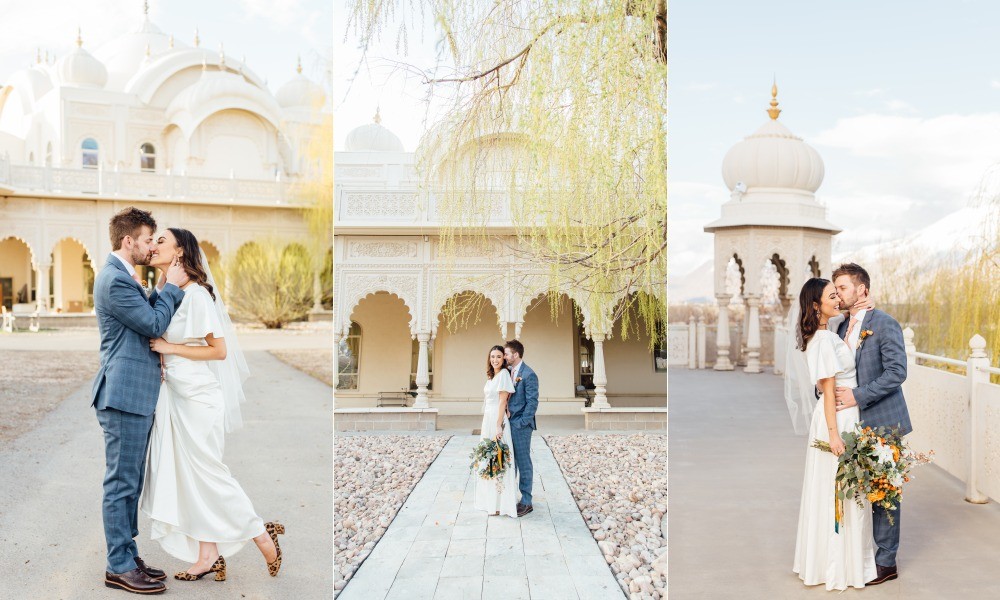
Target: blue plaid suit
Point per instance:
(881, 365)
(124, 395)
(522, 405)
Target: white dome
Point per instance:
(373, 137)
(218, 90)
(35, 80)
(773, 157)
(301, 92)
(81, 68)
(125, 55)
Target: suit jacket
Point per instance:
(881, 367)
(129, 376)
(524, 401)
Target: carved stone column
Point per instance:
(722, 362)
(338, 336)
(42, 291)
(600, 374)
(423, 375)
(692, 343)
(753, 334)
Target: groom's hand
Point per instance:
(845, 398)
(176, 274)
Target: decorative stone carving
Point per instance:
(381, 205)
(359, 171)
(381, 249)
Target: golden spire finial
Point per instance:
(38, 55)
(145, 8)
(197, 40)
(170, 43)
(378, 116)
(222, 55)
(148, 52)
(79, 38)
(774, 111)
(204, 64)
(298, 67)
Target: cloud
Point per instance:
(901, 106)
(24, 28)
(995, 84)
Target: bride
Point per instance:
(199, 512)
(823, 555)
(490, 497)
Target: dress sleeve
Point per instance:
(822, 357)
(504, 384)
(201, 318)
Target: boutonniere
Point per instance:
(865, 333)
(518, 380)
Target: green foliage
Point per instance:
(270, 282)
(555, 119)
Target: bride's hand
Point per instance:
(837, 446)
(161, 346)
(864, 303)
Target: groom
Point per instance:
(127, 386)
(522, 405)
(877, 341)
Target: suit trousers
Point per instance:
(521, 436)
(886, 535)
(126, 439)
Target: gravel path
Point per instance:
(318, 363)
(373, 475)
(620, 484)
(32, 383)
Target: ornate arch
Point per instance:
(435, 322)
(356, 286)
(148, 81)
(6, 234)
(346, 322)
(446, 286)
(78, 240)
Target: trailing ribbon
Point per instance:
(838, 507)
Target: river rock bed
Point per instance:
(373, 475)
(619, 483)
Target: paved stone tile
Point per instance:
(440, 538)
(459, 588)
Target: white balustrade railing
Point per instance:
(102, 182)
(686, 343)
(957, 416)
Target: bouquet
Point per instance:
(875, 464)
(490, 460)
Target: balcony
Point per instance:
(137, 184)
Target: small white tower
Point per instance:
(772, 216)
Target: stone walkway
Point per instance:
(51, 537)
(439, 547)
(735, 483)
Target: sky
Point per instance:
(383, 79)
(901, 100)
(270, 33)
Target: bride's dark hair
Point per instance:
(191, 261)
(489, 364)
(812, 293)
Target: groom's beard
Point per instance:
(141, 258)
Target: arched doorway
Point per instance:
(375, 353)
(468, 325)
(17, 277)
(71, 278)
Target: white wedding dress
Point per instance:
(822, 556)
(189, 494)
(488, 497)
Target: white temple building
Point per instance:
(392, 282)
(189, 133)
(772, 222)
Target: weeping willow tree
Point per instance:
(948, 303)
(552, 145)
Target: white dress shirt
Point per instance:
(128, 267)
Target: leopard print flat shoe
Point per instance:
(273, 529)
(219, 568)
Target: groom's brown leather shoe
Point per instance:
(523, 509)
(883, 574)
(151, 572)
(134, 581)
